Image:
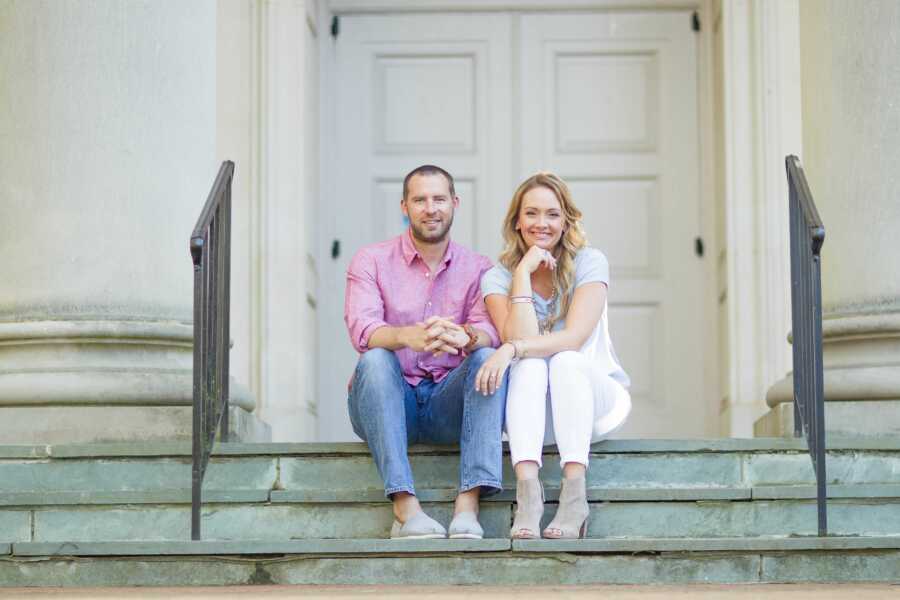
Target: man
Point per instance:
(415, 313)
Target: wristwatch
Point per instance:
(473, 338)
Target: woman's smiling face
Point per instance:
(541, 222)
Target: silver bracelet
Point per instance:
(515, 358)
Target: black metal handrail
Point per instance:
(211, 253)
(807, 237)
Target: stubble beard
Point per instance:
(433, 238)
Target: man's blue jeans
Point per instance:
(390, 414)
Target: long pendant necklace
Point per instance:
(545, 324)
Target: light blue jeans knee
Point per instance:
(390, 414)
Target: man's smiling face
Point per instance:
(429, 206)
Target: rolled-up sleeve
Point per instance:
(363, 304)
(478, 315)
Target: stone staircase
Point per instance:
(661, 512)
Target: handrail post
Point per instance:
(211, 254)
(196, 446)
(807, 236)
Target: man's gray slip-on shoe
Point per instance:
(419, 527)
(465, 526)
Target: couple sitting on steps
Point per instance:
(438, 327)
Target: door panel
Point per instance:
(615, 114)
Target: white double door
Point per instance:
(606, 100)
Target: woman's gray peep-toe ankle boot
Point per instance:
(571, 516)
(529, 510)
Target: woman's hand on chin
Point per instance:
(535, 258)
(490, 375)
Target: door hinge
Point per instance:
(335, 248)
(336, 26)
(695, 21)
(698, 247)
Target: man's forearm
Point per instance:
(389, 338)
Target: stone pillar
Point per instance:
(107, 150)
(850, 57)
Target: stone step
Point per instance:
(284, 521)
(740, 519)
(386, 546)
(34, 499)
(620, 470)
(442, 562)
(269, 522)
(638, 489)
(662, 511)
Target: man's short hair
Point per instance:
(428, 170)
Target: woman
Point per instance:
(547, 299)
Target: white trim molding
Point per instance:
(743, 346)
(706, 82)
(780, 132)
(338, 7)
(285, 336)
(761, 125)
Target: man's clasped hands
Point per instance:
(437, 335)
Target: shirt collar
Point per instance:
(410, 252)
(408, 248)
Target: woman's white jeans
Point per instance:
(580, 393)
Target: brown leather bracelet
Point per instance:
(473, 338)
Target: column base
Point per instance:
(105, 381)
(92, 424)
(851, 418)
(861, 379)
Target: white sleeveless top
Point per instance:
(590, 266)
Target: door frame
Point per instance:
(328, 9)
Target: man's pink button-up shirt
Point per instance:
(389, 284)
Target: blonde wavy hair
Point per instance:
(572, 240)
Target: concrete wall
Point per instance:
(108, 117)
(851, 80)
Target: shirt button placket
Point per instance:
(428, 311)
